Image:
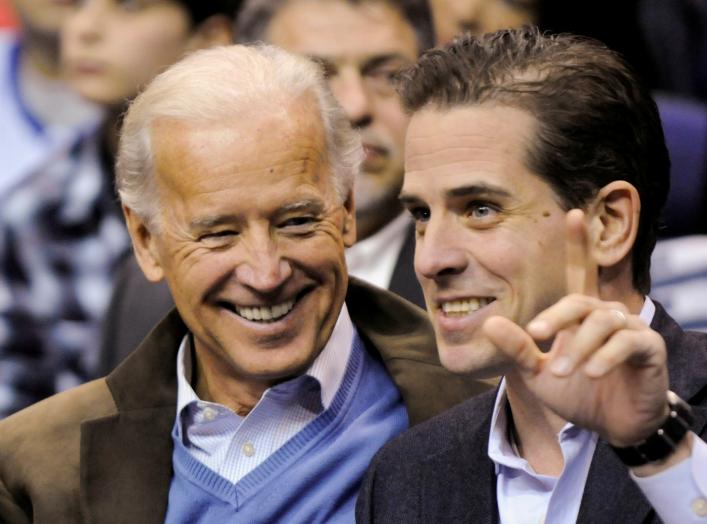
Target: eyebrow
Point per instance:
(368, 65)
(473, 190)
(207, 222)
(310, 204)
(477, 190)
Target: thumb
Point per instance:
(514, 342)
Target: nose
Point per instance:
(350, 90)
(438, 251)
(85, 24)
(263, 269)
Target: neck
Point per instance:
(534, 428)
(212, 384)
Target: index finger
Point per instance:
(581, 270)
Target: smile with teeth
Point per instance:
(265, 313)
(458, 308)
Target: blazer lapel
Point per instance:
(126, 459)
(459, 483)
(126, 467)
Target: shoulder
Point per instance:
(463, 425)
(46, 435)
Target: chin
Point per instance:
(478, 361)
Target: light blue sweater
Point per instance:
(316, 475)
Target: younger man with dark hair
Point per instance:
(535, 171)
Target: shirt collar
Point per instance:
(327, 369)
(500, 449)
(365, 256)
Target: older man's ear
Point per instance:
(144, 246)
(349, 229)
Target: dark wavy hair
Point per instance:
(596, 122)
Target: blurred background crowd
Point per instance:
(72, 301)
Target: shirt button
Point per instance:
(248, 449)
(209, 414)
(699, 507)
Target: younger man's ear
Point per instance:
(143, 246)
(614, 222)
(214, 31)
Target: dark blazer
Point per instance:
(440, 471)
(102, 452)
(137, 305)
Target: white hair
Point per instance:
(216, 85)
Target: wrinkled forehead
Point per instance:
(204, 156)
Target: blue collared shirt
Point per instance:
(678, 494)
(233, 446)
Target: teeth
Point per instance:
(464, 307)
(266, 314)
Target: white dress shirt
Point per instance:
(233, 446)
(678, 494)
(373, 259)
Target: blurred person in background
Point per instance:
(61, 230)
(477, 17)
(41, 115)
(360, 45)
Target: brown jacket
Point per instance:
(102, 452)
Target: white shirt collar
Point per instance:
(373, 259)
(327, 369)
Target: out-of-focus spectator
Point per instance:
(452, 17)
(41, 116)
(676, 35)
(679, 274)
(7, 15)
(61, 230)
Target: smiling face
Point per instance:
(490, 234)
(111, 48)
(360, 46)
(251, 240)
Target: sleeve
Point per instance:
(679, 494)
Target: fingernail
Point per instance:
(561, 366)
(538, 327)
(595, 368)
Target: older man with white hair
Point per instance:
(264, 395)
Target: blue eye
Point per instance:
(481, 210)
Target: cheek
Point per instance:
(394, 120)
(145, 52)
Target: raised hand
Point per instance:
(605, 370)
